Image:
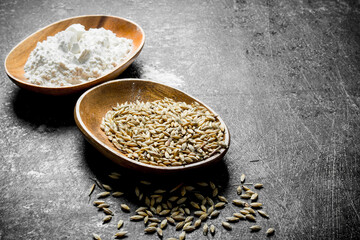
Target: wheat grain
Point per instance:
(125, 207)
(239, 190)
(96, 236)
(256, 205)
(205, 229)
(222, 199)
(120, 224)
(214, 214)
(212, 229)
(255, 228)
(103, 194)
(159, 232)
(270, 231)
(140, 129)
(182, 235)
(179, 225)
(250, 210)
(107, 219)
(189, 228)
(107, 187)
(107, 211)
(263, 214)
(239, 215)
(242, 178)
(226, 225)
(250, 217)
(150, 230)
(92, 189)
(220, 205)
(103, 205)
(136, 218)
(120, 234)
(117, 194)
(254, 197)
(232, 219)
(98, 202)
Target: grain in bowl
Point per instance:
(164, 132)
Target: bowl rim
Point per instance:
(128, 58)
(88, 134)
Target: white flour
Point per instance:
(75, 56)
(161, 76)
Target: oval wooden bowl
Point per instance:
(92, 106)
(16, 59)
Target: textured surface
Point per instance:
(283, 76)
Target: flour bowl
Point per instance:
(16, 59)
(92, 106)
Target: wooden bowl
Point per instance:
(16, 59)
(92, 106)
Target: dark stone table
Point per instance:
(284, 75)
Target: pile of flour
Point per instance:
(75, 56)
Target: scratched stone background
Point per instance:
(284, 76)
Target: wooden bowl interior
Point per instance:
(94, 104)
(17, 58)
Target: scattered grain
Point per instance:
(239, 215)
(205, 229)
(263, 214)
(245, 196)
(250, 210)
(182, 235)
(96, 236)
(120, 234)
(238, 202)
(107, 211)
(203, 216)
(212, 229)
(243, 211)
(222, 199)
(232, 219)
(180, 225)
(170, 220)
(189, 228)
(117, 194)
(250, 217)
(150, 229)
(145, 182)
(92, 189)
(226, 225)
(107, 219)
(103, 194)
(163, 223)
(270, 231)
(98, 202)
(220, 205)
(107, 187)
(103, 205)
(125, 207)
(214, 214)
(254, 197)
(120, 224)
(136, 218)
(239, 190)
(256, 205)
(255, 228)
(242, 178)
(159, 232)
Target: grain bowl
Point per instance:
(97, 108)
